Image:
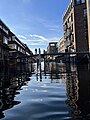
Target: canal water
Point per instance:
(60, 92)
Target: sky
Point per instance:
(34, 22)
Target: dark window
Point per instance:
(72, 27)
(72, 17)
(77, 2)
(85, 24)
(86, 35)
(85, 12)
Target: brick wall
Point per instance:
(81, 33)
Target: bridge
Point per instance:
(51, 54)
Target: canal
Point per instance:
(60, 92)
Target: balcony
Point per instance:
(69, 32)
(13, 38)
(72, 39)
(64, 27)
(67, 43)
(65, 35)
(70, 23)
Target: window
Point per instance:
(72, 27)
(13, 46)
(85, 24)
(82, 1)
(0, 26)
(18, 48)
(72, 17)
(0, 49)
(52, 44)
(6, 31)
(85, 12)
(73, 3)
(85, 34)
(5, 40)
(9, 38)
(77, 2)
(69, 19)
(21, 50)
(13, 38)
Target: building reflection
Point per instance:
(9, 84)
(78, 91)
(56, 71)
(77, 79)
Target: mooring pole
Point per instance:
(36, 63)
(44, 63)
(40, 63)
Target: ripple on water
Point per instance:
(50, 116)
(40, 101)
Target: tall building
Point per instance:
(52, 47)
(61, 45)
(4, 49)
(19, 49)
(88, 14)
(4, 37)
(12, 52)
(75, 27)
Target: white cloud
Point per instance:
(22, 37)
(35, 44)
(38, 36)
(53, 39)
(49, 24)
(33, 40)
(37, 41)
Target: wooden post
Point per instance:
(40, 63)
(44, 63)
(36, 62)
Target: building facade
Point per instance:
(52, 47)
(20, 51)
(75, 27)
(88, 14)
(13, 53)
(4, 49)
(61, 45)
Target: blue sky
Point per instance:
(35, 22)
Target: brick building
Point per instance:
(88, 14)
(52, 47)
(61, 45)
(4, 49)
(18, 50)
(75, 27)
(10, 49)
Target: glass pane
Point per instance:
(82, 1)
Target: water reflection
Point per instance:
(9, 84)
(78, 91)
(77, 78)
(46, 97)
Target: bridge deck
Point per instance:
(52, 54)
